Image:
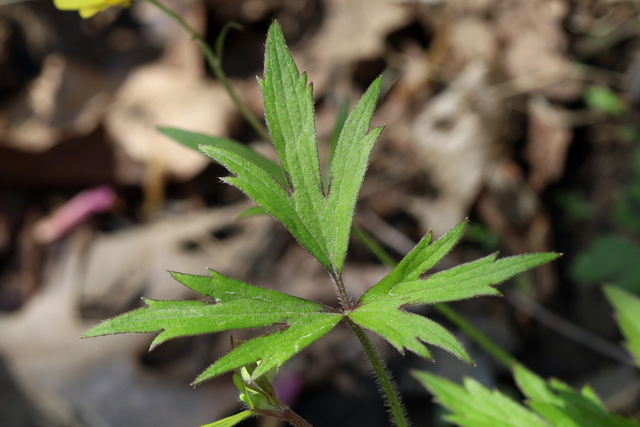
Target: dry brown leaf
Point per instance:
(455, 136)
(548, 143)
(352, 30)
(40, 341)
(161, 95)
(119, 266)
(535, 43)
(471, 39)
(68, 98)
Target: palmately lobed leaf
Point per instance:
(467, 280)
(475, 405)
(380, 308)
(321, 222)
(555, 403)
(562, 406)
(235, 305)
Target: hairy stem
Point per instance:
(343, 296)
(286, 415)
(215, 63)
(384, 376)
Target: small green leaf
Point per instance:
(380, 308)
(628, 315)
(604, 99)
(288, 105)
(235, 305)
(467, 280)
(194, 140)
(251, 212)
(407, 330)
(347, 171)
(335, 135)
(421, 258)
(609, 258)
(475, 405)
(232, 420)
(563, 406)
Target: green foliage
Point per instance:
(609, 258)
(627, 308)
(320, 222)
(320, 216)
(613, 258)
(196, 140)
(479, 233)
(604, 99)
(232, 420)
(235, 305)
(476, 406)
(575, 207)
(380, 308)
(626, 209)
(551, 403)
(563, 406)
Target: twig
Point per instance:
(566, 328)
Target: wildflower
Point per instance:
(88, 8)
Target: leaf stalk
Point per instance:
(384, 376)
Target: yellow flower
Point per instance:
(88, 8)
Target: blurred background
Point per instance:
(520, 115)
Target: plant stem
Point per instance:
(343, 296)
(286, 414)
(215, 64)
(384, 376)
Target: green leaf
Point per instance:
(380, 309)
(337, 130)
(407, 330)
(558, 404)
(232, 420)
(235, 305)
(604, 99)
(195, 140)
(321, 223)
(347, 171)
(421, 258)
(562, 406)
(251, 212)
(289, 111)
(609, 258)
(628, 316)
(262, 187)
(475, 405)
